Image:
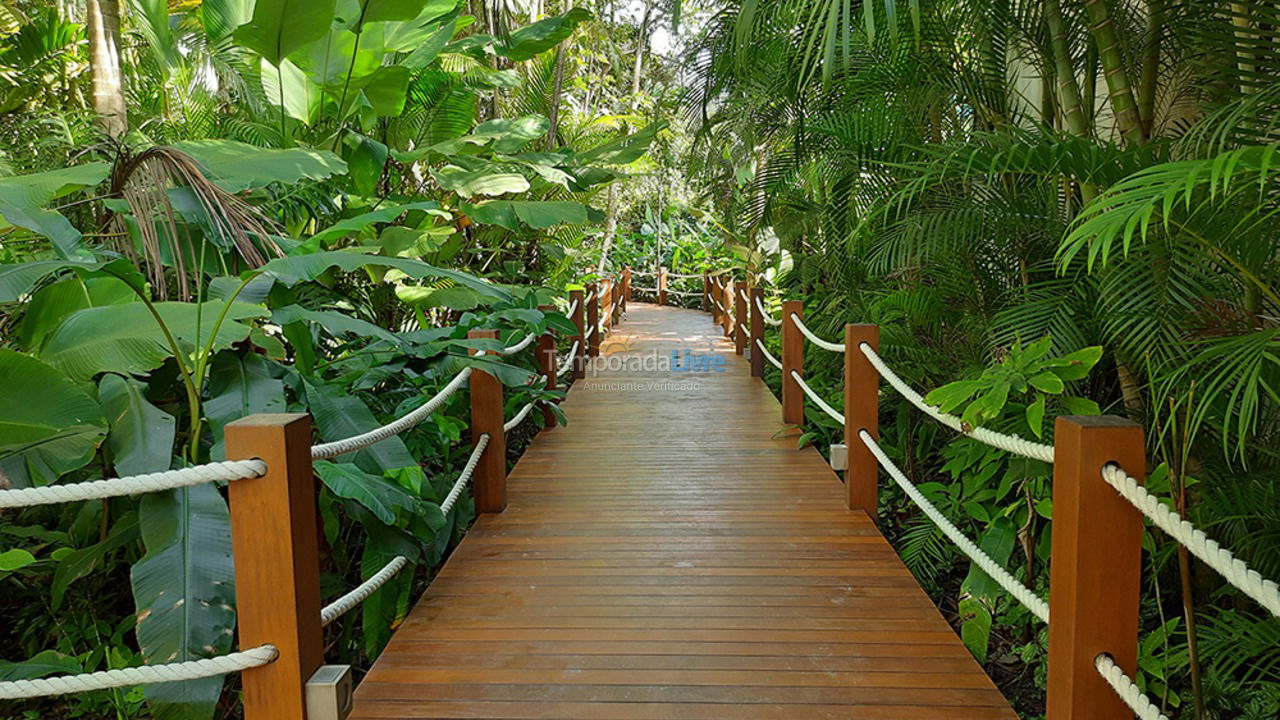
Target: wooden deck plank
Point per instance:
(669, 555)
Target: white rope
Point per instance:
(767, 356)
(134, 484)
(519, 418)
(683, 294)
(833, 347)
(643, 289)
(567, 362)
(1010, 443)
(395, 427)
(745, 298)
(144, 675)
(1233, 569)
(465, 477)
(1126, 689)
(815, 397)
(591, 296)
(351, 600)
(643, 273)
(680, 276)
(768, 319)
(573, 308)
(1020, 592)
(512, 349)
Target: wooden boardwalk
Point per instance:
(667, 555)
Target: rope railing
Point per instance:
(519, 417)
(1020, 592)
(134, 484)
(143, 675)
(1011, 443)
(764, 352)
(333, 449)
(683, 276)
(813, 338)
(352, 600)
(816, 398)
(526, 342)
(1126, 689)
(682, 293)
(465, 476)
(1231, 568)
(764, 315)
(573, 308)
(567, 361)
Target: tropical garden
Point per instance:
(214, 208)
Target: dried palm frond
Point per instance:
(144, 181)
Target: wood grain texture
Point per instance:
(792, 360)
(861, 412)
(275, 540)
(1095, 579)
(490, 479)
(667, 555)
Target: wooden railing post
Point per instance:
(740, 317)
(792, 359)
(578, 299)
(662, 285)
(618, 299)
(593, 319)
(626, 287)
(861, 412)
(757, 332)
(606, 297)
(490, 479)
(277, 566)
(547, 362)
(727, 299)
(1095, 576)
(706, 295)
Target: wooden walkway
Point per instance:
(667, 555)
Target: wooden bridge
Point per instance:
(671, 554)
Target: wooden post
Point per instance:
(578, 299)
(713, 296)
(662, 286)
(626, 287)
(861, 412)
(547, 362)
(757, 332)
(274, 537)
(605, 298)
(706, 295)
(490, 479)
(726, 299)
(618, 299)
(792, 359)
(1095, 577)
(593, 319)
(739, 317)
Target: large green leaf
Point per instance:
(184, 590)
(239, 386)
(51, 304)
(141, 438)
(998, 542)
(380, 497)
(470, 183)
(18, 279)
(293, 270)
(220, 18)
(623, 150)
(279, 27)
(127, 339)
(510, 135)
(237, 167)
(48, 425)
(339, 415)
(288, 87)
(85, 561)
(386, 90)
(385, 213)
(531, 40)
(335, 322)
(410, 34)
(23, 197)
(510, 214)
(42, 664)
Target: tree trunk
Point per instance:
(1151, 65)
(102, 19)
(557, 94)
(1120, 91)
(642, 45)
(1064, 71)
(610, 225)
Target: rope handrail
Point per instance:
(825, 345)
(513, 349)
(683, 293)
(816, 398)
(395, 427)
(567, 362)
(1010, 443)
(644, 289)
(133, 484)
(745, 297)
(767, 355)
(591, 296)
(143, 675)
(683, 276)
(573, 308)
(352, 600)
(1126, 689)
(643, 273)
(1020, 592)
(465, 476)
(519, 417)
(1232, 569)
(764, 315)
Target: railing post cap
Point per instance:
(265, 420)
